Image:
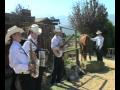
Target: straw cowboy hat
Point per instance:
(98, 32)
(35, 28)
(57, 30)
(11, 31)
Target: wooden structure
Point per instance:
(44, 40)
(110, 52)
(23, 20)
(47, 26)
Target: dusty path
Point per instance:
(104, 80)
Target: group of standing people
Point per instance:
(19, 56)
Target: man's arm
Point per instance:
(94, 39)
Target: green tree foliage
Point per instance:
(90, 16)
(109, 36)
(18, 9)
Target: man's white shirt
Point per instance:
(56, 42)
(26, 45)
(99, 41)
(18, 60)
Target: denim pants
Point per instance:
(99, 54)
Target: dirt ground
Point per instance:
(104, 80)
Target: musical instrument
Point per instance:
(41, 55)
(43, 58)
(34, 73)
(58, 52)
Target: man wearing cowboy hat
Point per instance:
(57, 42)
(18, 58)
(33, 35)
(32, 38)
(99, 39)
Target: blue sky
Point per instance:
(48, 8)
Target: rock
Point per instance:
(74, 73)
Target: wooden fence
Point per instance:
(75, 54)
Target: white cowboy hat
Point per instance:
(57, 30)
(98, 32)
(11, 31)
(35, 28)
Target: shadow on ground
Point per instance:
(97, 67)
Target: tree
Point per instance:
(109, 36)
(18, 9)
(89, 18)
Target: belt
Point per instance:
(24, 73)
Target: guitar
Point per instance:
(58, 52)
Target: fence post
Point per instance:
(77, 57)
(77, 51)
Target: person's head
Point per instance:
(13, 33)
(98, 32)
(35, 31)
(58, 32)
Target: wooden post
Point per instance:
(77, 57)
(77, 51)
(75, 38)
